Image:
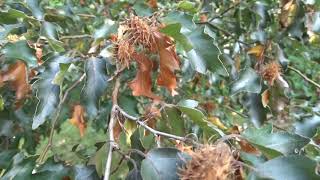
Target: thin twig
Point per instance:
(112, 123)
(224, 12)
(56, 118)
(76, 36)
(155, 132)
(304, 76)
(86, 15)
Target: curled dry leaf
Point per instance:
(265, 97)
(17, 77)
(78, 119)
(257, 51)
(169, 62)
(141, 85)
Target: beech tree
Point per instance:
(159, 90)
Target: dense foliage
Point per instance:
(221, 89)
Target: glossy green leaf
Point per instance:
(20, 50)
(294, 167)
(248, 81)
(11, 16)
(105, 30)
(187, 6)
(59, 77)
(37, 11)
(180, 17)
(172, 116)
(96, 83)
(205, 55)
(47, 92)
(161, 163)
(308, 127)
(283, 142)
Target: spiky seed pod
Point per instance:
(140, 31)
(209, 163)
(271, 72)
(123, 52)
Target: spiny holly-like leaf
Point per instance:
(17, 77)
(77, 119)
(141, 85)
(96, 83)
(205, 55)
(20, 50)
(46, 91)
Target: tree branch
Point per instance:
(304, 76)
(56, 118)
(155, 132)
(112, 123)
(76, 36)
(224, 12)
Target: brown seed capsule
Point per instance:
(271, 72)
(209, 163)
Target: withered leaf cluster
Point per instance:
(137, 39)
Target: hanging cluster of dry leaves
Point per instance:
(138, 38)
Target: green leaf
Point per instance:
(180, 17)
(6, 157)
(173, 30)
(283, 142)
(188, 103)
(59, 77)
(51, 171)
(294, 167)
(5, 30)
(204, 55)
(257, 113)
(96, 83)
(20, 169)
(105, 30)
(57, 46)
(308, 127)
(82, 172)
(172, 116)
(129, 104)
(162, 163)
(187, 6)
(11, 16)
(142, 9)
(20, 50)
(248, 81)
(47, 92)
(36, 10)
(99, 159)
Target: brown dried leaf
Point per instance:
(265, 97)
(153, 3)
(17, 76)
(78, 119)
(169, 62)
(141, 85)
